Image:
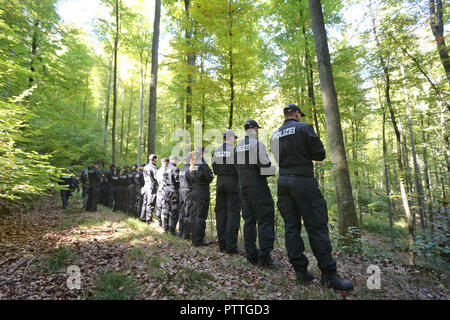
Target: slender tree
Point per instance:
(108, 95)
(116, 45)
(346, 206)
(437, 27)
(154, 81)
(413, 150)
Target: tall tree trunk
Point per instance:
(437, 27)
(129, 121)
(34, 45)
(142, 74)
(409, 185)
(445, 134)
(386, 178)
(116, 43)
(413, 150)
(385, 67)
(230, 57)
(108, 94)
(355, 160)
(121, 133)
(312, 99)
(203, 103)
(190, 62)
(427, 177)
(346, 206)
(154, 81)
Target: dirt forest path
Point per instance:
(122, 258)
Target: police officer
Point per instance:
(132, 190)
(150, 189)
(294, 146)
(172, 197)
(200, 176)
(169, 193)
(228, 200)
(85, 186)
(133, 177)
(254, 165)
(140, 183)
(94, 176)
(185, 205)
(70, 183)
(116, 188)
(160, 193)
(124, 183)
(102, 190)
(108, 201)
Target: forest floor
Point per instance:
(122, 258)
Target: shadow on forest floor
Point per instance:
(120, 257)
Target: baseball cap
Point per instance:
(293, 108)
(152, 157)
(251, 124)
(173, 157)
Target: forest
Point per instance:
(372, 77)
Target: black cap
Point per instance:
(293, 108)
(142, 165)
(95, 162)
(251, 124)
(125, 166)
(117, 168)
(112, 166)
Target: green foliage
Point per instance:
(351, 242)
(113, 285)
(46, 103)
(24, 173)
(61, 258)
(380, 225)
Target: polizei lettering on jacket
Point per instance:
(220, 154)
(244, 147)
(285, 132)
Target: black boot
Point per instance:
(266, 261)
(235, 251)
(202, 244)
(304, 278)
(333, 281)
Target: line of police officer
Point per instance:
(183, 195)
